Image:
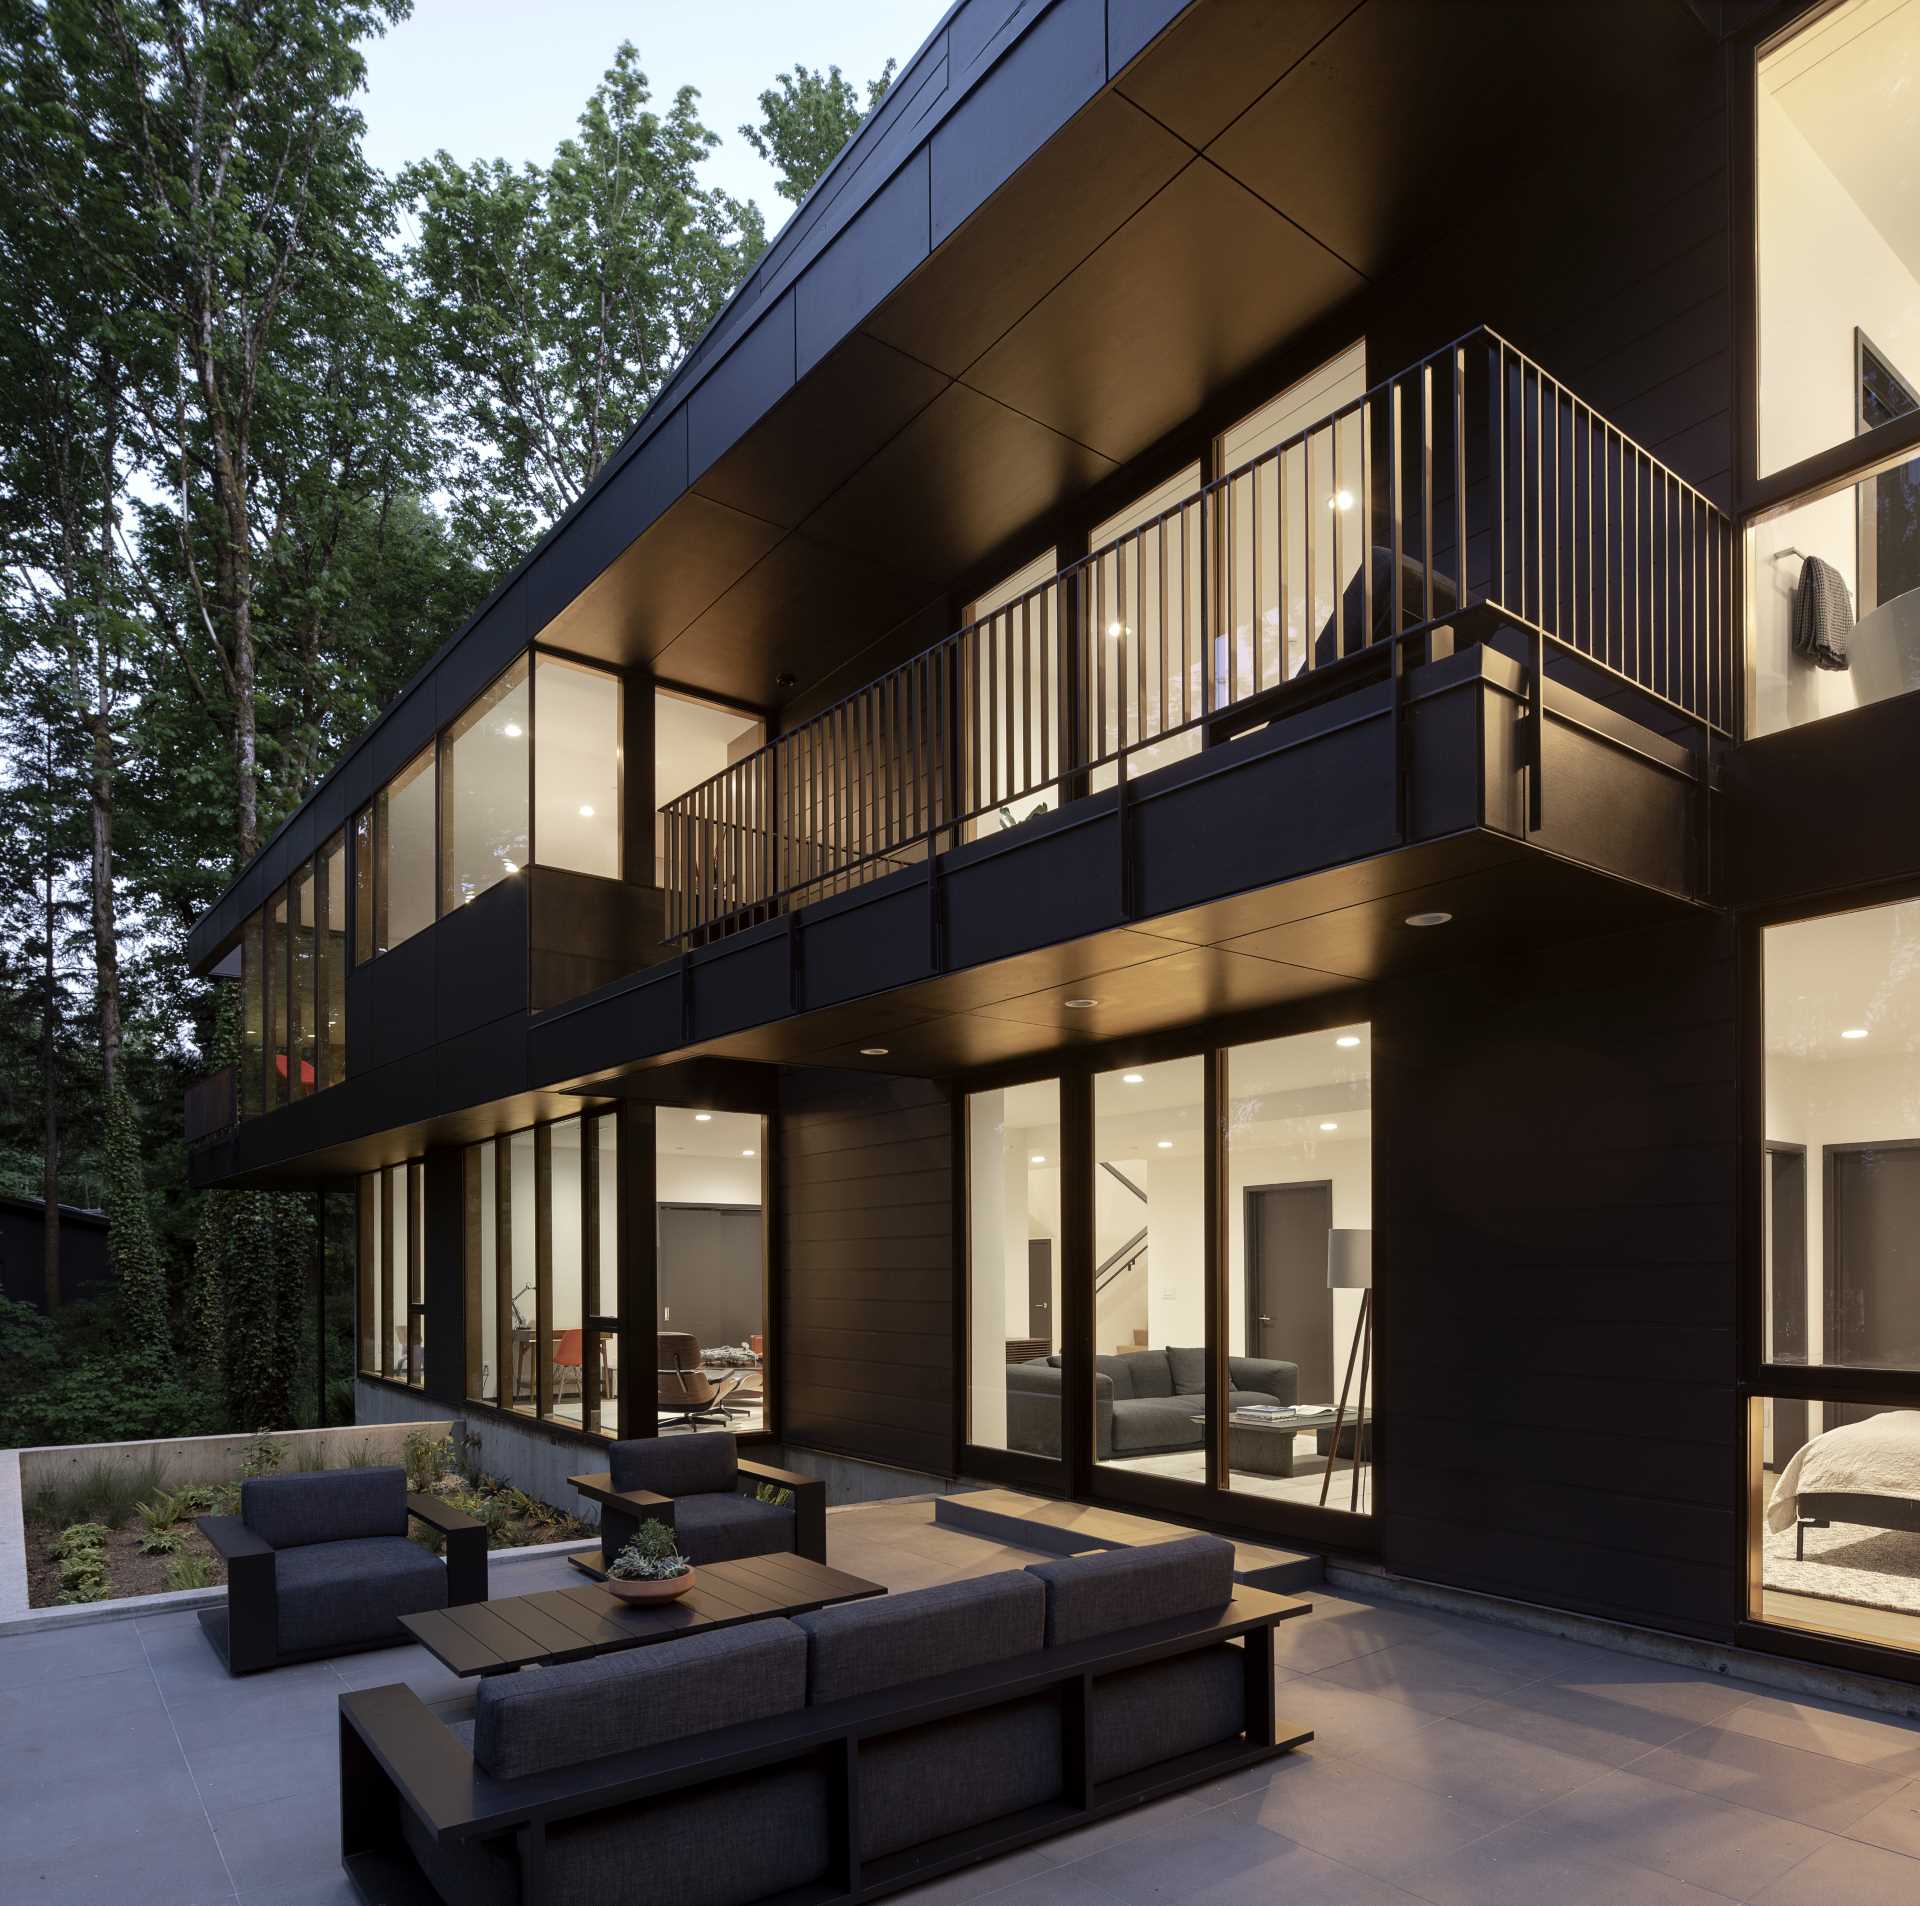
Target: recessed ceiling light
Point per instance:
(512, 866)
(1116, 629)
(748, 1153)
(703, 1118)
(1166, 1144)
(1340, 500)
(1428, 919)
(586, 812)
(1329, 1125)
(1348, 1039)
(1039, 1158)
(1080, 1005)
(1854, 1032)
(511, 731)
(874, 1052)
(1133, 1078)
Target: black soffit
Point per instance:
(881, 413)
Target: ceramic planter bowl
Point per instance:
(668, 1591)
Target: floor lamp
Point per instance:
(1350, 1268)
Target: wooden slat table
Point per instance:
(574, 1624)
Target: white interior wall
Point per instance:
(1823, 269)
(685, 1179)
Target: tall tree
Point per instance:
(806, 116)
(559, 297)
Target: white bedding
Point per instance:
(1880, 1457)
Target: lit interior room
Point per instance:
(1838, 1483)
(1834, 582)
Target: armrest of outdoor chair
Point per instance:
(466, 1538)
(809, 1505)
(253, 1598)
(638, 1503)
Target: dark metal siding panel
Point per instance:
(755, 374)
(480, 960)
(646, 484)
(891, 237)
(1042, 83)
(490, 645)
(407, 729)
(1132, 24)
(1554, 1204)
(864, 1268)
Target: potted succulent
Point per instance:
(650, 1568)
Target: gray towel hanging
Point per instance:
(1822, 615)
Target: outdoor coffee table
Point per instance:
(574, 1624)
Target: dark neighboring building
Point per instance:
(1116, 816)
(86, 1267)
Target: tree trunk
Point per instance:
(49, 1065)
(106, 935)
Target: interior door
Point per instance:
(710, 1272)
(1872, 1283)
(1787, 1289)
(1289, 1308)
(1040, 1290)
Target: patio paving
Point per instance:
(1456, 1763)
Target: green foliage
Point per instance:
(190, 1571)
(650, 1557)
(426, 1458)
(806, 116)
(104, 1493)
(263, 1456)
(162, 1542)
(140, 1270)
(81, 1551)
(776, 1493)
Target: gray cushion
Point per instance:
(1089, 1595)
(338, 1594)
(341, 1505)
(1168, 1708)
(726, 1844)
(860, 1646)
(937, 1779)
(586, 1710)
(1157, 1422)
(1119, 1371)
(1239, 1399)
(1189, 1368)
(725, 1527)
(1148, 1373)
(700, 1464)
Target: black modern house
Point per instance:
(1241, 741)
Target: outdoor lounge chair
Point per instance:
(322, 1565)
(701, 1489)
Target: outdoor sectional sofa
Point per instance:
(1145, 1401)
(840, 1755)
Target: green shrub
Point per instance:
(263, 1455)
(650, 1557)
(427, 1458)
(190, 1571)
(103, 1492)
(162, 1542)
(81, 1551)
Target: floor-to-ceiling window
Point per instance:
(392, 1273)
(1013, 1268)
(1833, 579)
(1834, 1455)
(710, 1222)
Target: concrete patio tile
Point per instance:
(1523, 1866)
(983, 1881)
(1727, 1848)
(1657, 1686)
(1056, 1887)
(334, 1889)
(1475, 1768)
(1573, 1721)
(1346, 1722)
(178, 1865)
(1212, 1860)
(236, 1773)
(382, 1667)
(1894, 1823)
(267, 1840)
(1117, 1829)
(1846, 1873)
(68, 1654)
(254, 1709)
(1352, 1813)
(184, 1666)
(1338, 1632)
(1790, 1781)
(57, 1812)
(1519, 1651)
(1882, 1742)
(1429, 1678)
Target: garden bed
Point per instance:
(115, 1532)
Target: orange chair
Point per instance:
(568, 1355)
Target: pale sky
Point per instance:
(507, 78)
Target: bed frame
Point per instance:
(1872, 1512)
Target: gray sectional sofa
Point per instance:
(1145, 1401)
(842, 1754)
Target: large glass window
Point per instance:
(693, 741)
(1013, 1268)
(1299, 1304)
(542, 1264)
(1150, 1269)
(303, 1053)
(1833, 581)
(1835, 1518)
(484, 790)
(711, 1222)
(393, 1273)
(363, 886)
(330, 954)
(576, 782)
(253, 1021)
(403, 827)
(276, 999)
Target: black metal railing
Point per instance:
(1472, 478)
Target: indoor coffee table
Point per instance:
(1263, 1446)
(574, 1624)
